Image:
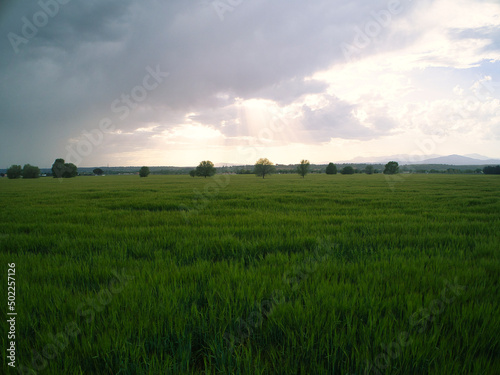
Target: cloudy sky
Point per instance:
(157, 82)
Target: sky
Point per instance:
(172, 83)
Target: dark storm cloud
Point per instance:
(64, 78)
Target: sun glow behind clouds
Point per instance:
(192, 134)
(283, 91)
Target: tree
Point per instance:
(347, 170)
(263, 167)
(98, 171)
(70, 170)
(60, 169)
(192, 172)
(30, 171)
(205, 169)
(144, 172)
(303, 167)
(331, 169)
(243, 171)
(369, 169)
(14, 171)
(491, 169)
(391, 168)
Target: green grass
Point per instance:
(249, 276)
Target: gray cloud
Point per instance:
(336, 120)
(66, 77)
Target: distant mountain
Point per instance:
(477, 156)
(459, 160)
(401, 159)
(424, 159)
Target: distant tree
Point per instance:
(369, 169)
(2, 174)
(303, 167)
(15, 171)
(491, 169)
(205, 169)
(331, 169)
(263, 167)
(347, 170)
(478, 170)
(391, 168)
(192, 172)
(243, 171)
(98, 171)
(60, 169)
(30, 171)
(144, 172)
(70, 170)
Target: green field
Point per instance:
(343, 274)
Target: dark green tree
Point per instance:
(263, 167)
(30, 171)
(192, 172)
(391, 168)
(98, 171)
(369, 169)
(347, 170)
(144, 172)
(14, 171)
(205, 169)
(331, 169)
(60, 169)
(70, 170)
(491, 169)
(303, 168)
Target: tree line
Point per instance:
(59, 169)
(262, 168)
